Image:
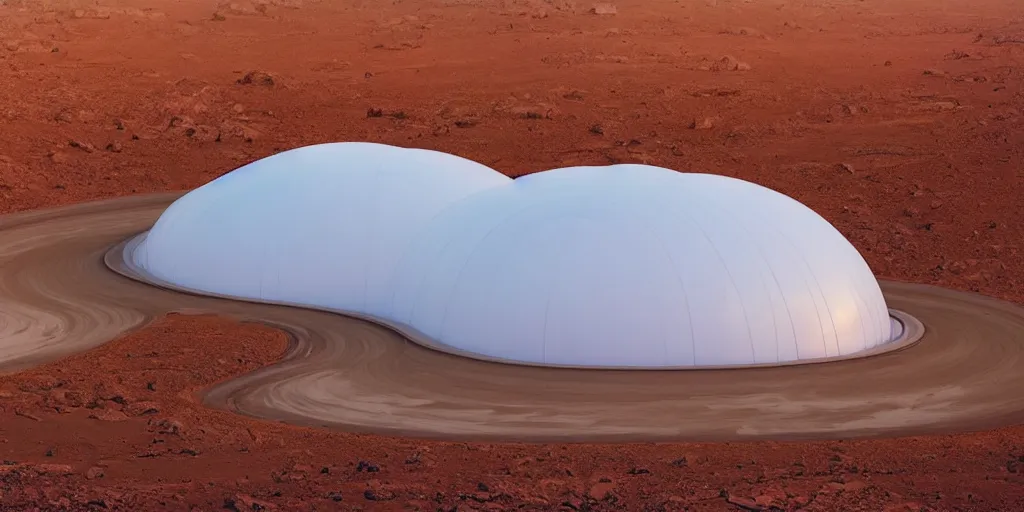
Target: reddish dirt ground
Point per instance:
(132, 436)
(902, 122)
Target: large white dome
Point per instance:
(625, 265)
(321, 225)
(632, 265)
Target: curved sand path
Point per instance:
(57, 298)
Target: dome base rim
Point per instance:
(906, 328)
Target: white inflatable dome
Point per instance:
(320, 225)
(616, 266)
(632, 265)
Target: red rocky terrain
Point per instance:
(902, 122)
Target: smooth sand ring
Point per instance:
(964, 374)
(119, 259)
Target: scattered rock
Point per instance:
(845, 110)
(705, 123)
(707, 93)
(169, 427)
(246, 503)
(236, 130)
(181, 122)
(533, 112)
(143, 408)
(744, 31)
(367, 467)
(257, 78)
(84, 146)
(574, 503)
(204, 133)
(745, 504)
(60, 398)
(604, 9)
(63, 116)
(406, 45)
(94, 473)
(114, 147)
(113, 392)
(483, 497)
(378, 495)
(726, 63)
(638, 471)
(771, 499)
(96, 14)
(573, 95)
(956, 55)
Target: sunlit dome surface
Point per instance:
(613, 266)
(320, 225)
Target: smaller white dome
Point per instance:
(319, 225)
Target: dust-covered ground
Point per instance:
(899, 121)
